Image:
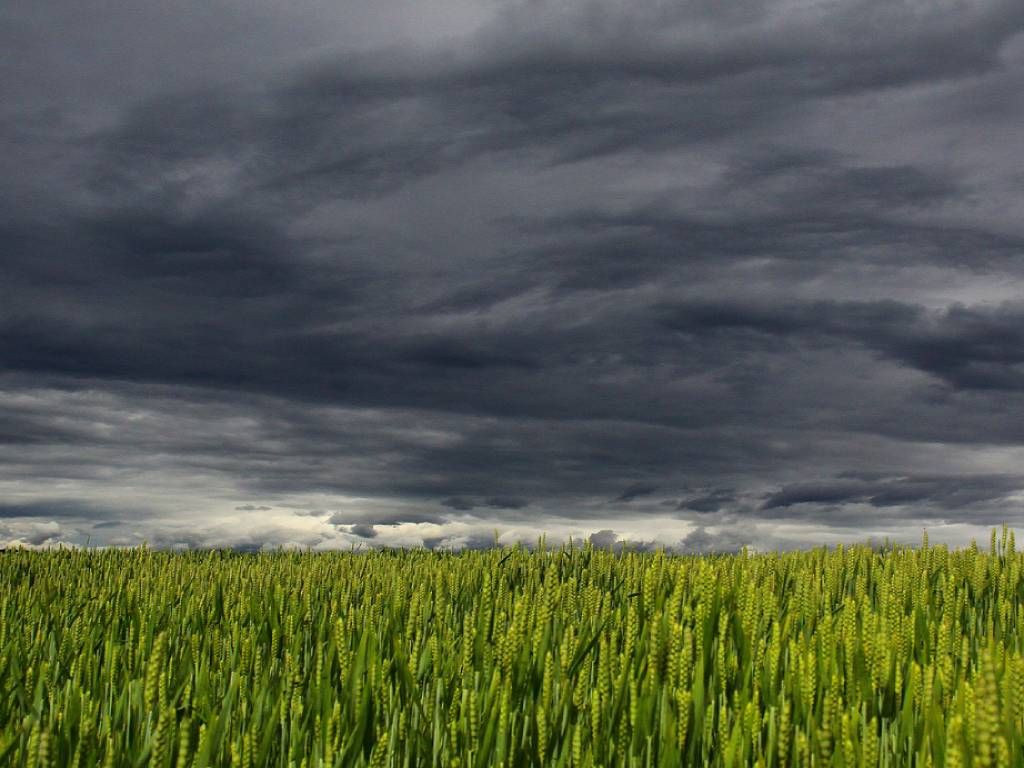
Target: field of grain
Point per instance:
(573, 657)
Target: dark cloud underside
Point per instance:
(701, 275)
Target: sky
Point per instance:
(437, 273)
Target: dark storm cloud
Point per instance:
(574, 260)
(711, 502)
(967, 347)
(601, 251)
(363, 531)
(636, 491)
(946, 493)
(52, 509)
(506, 502)
(458, 503)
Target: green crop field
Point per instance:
(573, 657)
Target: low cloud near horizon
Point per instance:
(693, 275)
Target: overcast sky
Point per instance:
(334, 274)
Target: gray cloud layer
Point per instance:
(697, 275)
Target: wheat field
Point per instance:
(513, 657)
